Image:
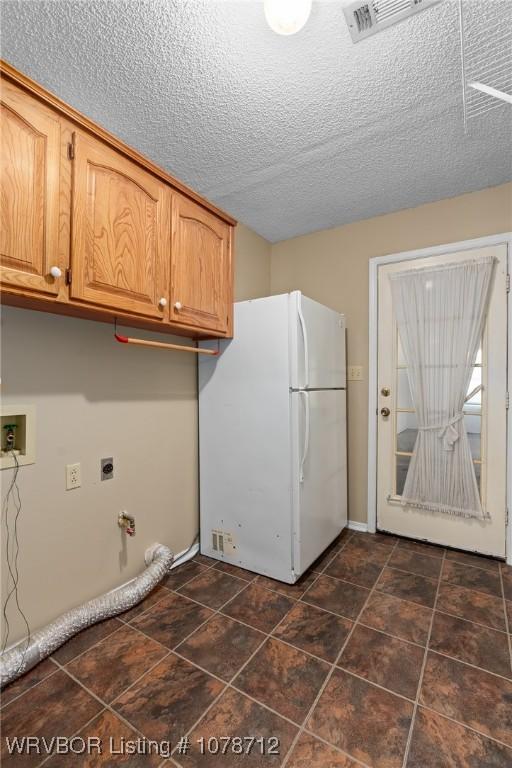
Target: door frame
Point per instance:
(438, 250)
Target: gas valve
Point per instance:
(127, 522)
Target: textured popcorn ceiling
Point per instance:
(289, 134)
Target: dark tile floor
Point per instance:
(388, 653)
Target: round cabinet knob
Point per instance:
(163, 302)
(177, 305)
(385, 412)
(55, 272)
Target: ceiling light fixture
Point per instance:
(286, 17)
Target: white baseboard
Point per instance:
(186, 554)
(354, 525)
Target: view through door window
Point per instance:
(406, 422)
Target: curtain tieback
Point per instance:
(448, 432)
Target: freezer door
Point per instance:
(317, 348)
(320, 476)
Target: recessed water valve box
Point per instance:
(17, 435)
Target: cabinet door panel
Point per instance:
(201, 267)
(29, 194)
(121, 241)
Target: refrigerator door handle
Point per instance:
(306, 435)
(305, 341)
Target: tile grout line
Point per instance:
(469, 664)
(62, 666)
(109, 706)
(466, 726)
(73, 735)
(31, 687)
(128, 723)
(421, 645)
(470, 621)
(315, 736)
(104, 704)
(507, 624)
(413, 573)
(470, 565)
(443, 582)
(271, 635)
(228, 685)
(217, 611)
(266, 637)
(335, 663)
(221, 573)
(127, 623)
(391, 635)
(422, 671)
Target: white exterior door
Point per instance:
(485, 420)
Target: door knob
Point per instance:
(163, 302)
(385, 391)
(177, 305)
(55, 272)
(385, 412)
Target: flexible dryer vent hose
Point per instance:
(22, 657)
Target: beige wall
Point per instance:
(95, 398)
(252, 273)
(331, 266)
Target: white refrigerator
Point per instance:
(272, 437)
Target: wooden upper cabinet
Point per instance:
(120, 248)
(201, 273)
(89, 227)
(29, 193)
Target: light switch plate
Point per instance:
(355, 373)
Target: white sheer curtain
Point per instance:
(441, 313)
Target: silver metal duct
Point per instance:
(22, 657)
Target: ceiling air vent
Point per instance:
(368, 18)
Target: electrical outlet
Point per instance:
(355, 373)
(73, 476)
(107, 468)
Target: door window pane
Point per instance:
(473, 426)
(478, 475)
(406, 432)
(403, 398)
(400, 355)
(402, 466)
(476, 381)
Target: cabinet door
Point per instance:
(120, 250)
(29, 193)
(201, 280)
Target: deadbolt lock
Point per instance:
(385, 412)
(385, 391)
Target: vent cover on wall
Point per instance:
(368, 18)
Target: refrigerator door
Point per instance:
(245, 444)
(320, 474)
(317, 336)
